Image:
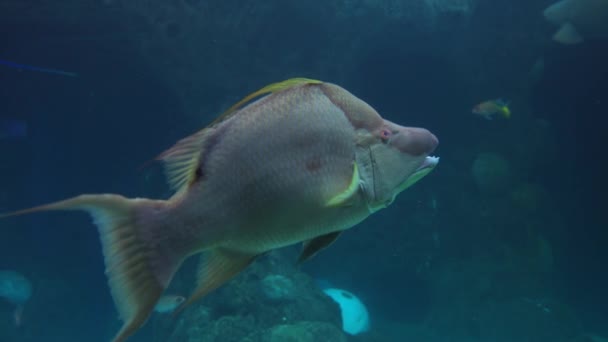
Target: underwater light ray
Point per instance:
(39, 69)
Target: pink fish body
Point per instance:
(303, 163)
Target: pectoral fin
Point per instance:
(313, 246)
(182, 160)
(216, 268)
(343, 198)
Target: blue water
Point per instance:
(512, 254)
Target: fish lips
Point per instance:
(428, 164)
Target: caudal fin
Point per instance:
(506, 112)
(137, 267)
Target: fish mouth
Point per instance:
(429, 163)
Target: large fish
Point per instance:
(578, 19)
(303, 163)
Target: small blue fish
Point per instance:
(17, 290)
(12, 129)
(35, 68)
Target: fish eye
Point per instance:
(385, 134)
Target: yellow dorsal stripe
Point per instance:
(269, 89)
(350, 191)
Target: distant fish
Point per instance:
(17, 289)
(12, 129)
(492, 108)
(578, 19)
(35, 68)
(168, 303)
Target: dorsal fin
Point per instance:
(269, 89)
(182, 160)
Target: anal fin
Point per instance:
(313, 246)
(216, 267)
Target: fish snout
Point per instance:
(416, 141)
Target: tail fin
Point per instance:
(137, 267)
(506, 112)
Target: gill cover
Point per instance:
(391, 171)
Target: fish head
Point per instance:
(390, 157)
(399, 158)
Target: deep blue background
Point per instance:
(93, 132)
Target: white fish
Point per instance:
(578, 19)
(168, 303)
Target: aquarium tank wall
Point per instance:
(503, 241)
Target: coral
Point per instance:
(304, 332)
(269, 293)
(277, 287)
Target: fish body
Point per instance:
(303, 163)
(578, 19)
(492, 108)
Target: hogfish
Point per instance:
(296, 161)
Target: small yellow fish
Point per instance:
(492, 108)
